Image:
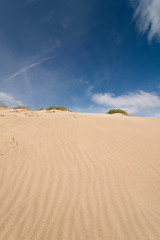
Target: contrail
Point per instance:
(28, 67)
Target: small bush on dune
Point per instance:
(58, 108)
(3, 106)
(22, 107)
(112, 111)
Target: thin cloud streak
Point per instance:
(132, 102)
(147, 16)
(28, 67)
(28, 2)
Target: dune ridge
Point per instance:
(75, 176)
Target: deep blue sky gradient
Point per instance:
(95, 48)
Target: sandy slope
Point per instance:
(68, 176)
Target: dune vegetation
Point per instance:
(58, 108)
(22, 107)
(113, 111)
(3, 106)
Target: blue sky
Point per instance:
(88, 55)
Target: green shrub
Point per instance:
(112, 111)
(22, 107)
(58, 108)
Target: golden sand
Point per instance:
(75, 176)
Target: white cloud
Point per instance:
(157, 115)
(90, 90)
(9, 100)
(147, 15)
(89, 109)
(24, 69)
(131, 102)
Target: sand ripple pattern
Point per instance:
(79, 177)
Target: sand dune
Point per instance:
(74, 176)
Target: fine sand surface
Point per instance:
(75, 176)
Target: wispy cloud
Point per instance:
(90, 90)
(28, 2)
(89, 109)
(24, 69)
(9, 100)
(147, 16)
(157, 115)
(132, 102)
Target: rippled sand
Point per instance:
(74, 176)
